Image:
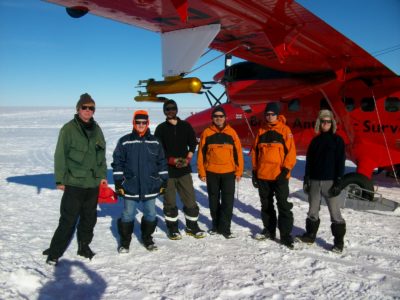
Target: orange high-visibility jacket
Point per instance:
(219, 151)
(273, 149)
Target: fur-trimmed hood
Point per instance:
(325, 113)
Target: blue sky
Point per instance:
(49, 59)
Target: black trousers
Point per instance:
(267, 190)
(77, 204)
(221, 192)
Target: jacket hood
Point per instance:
(216, 129)
(325, 113)
(280, 120)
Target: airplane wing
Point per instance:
(279, 34)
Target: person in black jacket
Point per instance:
(325, 164)
(179, 142)
(140, 176)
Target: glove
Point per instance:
(163, 187)
(306, 184)
(182, 162)
(172, 161)
(254, 179)
(336, 188)
(118, 188)
(282, 176)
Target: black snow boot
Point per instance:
(311, 232)
(193, 229)
(125, 230)
(338, 231)
(173, 231)
(84, 250)
(148, 229)
(51, 259)
(287, 241)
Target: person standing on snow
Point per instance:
(325, 163)
(140, 176)
(273, 156)
(79, 168)
(220, 164)
(179, 142)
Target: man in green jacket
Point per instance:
(79, 167)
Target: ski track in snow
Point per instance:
(209, 268)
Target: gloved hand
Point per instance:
(306, 184)
(282, 176)
(335, 188)
(163, 187)
(180, 162)
(254, 179)
(183, 162)
(118, 188)
(172, 161)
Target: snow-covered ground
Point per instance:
(209, 268)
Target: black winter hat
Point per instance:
(84, 99)
(218, 108)
(272, 106)
(169, 102)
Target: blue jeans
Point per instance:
(130, 210)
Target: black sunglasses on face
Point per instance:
(170, 108)
(218, 116)
(326, 121)
(270, 114)
(141, 122)
(88, 107)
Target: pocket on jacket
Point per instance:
(270, 153)
(154, 184)
(152, 148)
(131, 185)
(270, 160)
(77, 152)
(219, 154)
(100, 152)
(77, 173)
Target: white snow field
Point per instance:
(209, 268)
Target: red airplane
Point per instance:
(290, 56)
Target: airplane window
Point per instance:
(392, 104)
(349, 104)
(367, 104)
(323, 104)
(294, 105)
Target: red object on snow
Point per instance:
(107, 195)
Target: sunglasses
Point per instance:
(218, 116)
(326, 121)
(270, 114)
(170, 108)
(88, 107)
(141, 122)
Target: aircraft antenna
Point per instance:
(386, 50)
(384, 137)
(215, 58)
(247, 122)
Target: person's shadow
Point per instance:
(44, 181)
(65, 287)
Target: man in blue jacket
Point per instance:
(140, 175)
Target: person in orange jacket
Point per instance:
(220, 164)
(273, 156)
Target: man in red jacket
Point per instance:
(273, 156)
(220, 164)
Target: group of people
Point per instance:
(146, 166)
